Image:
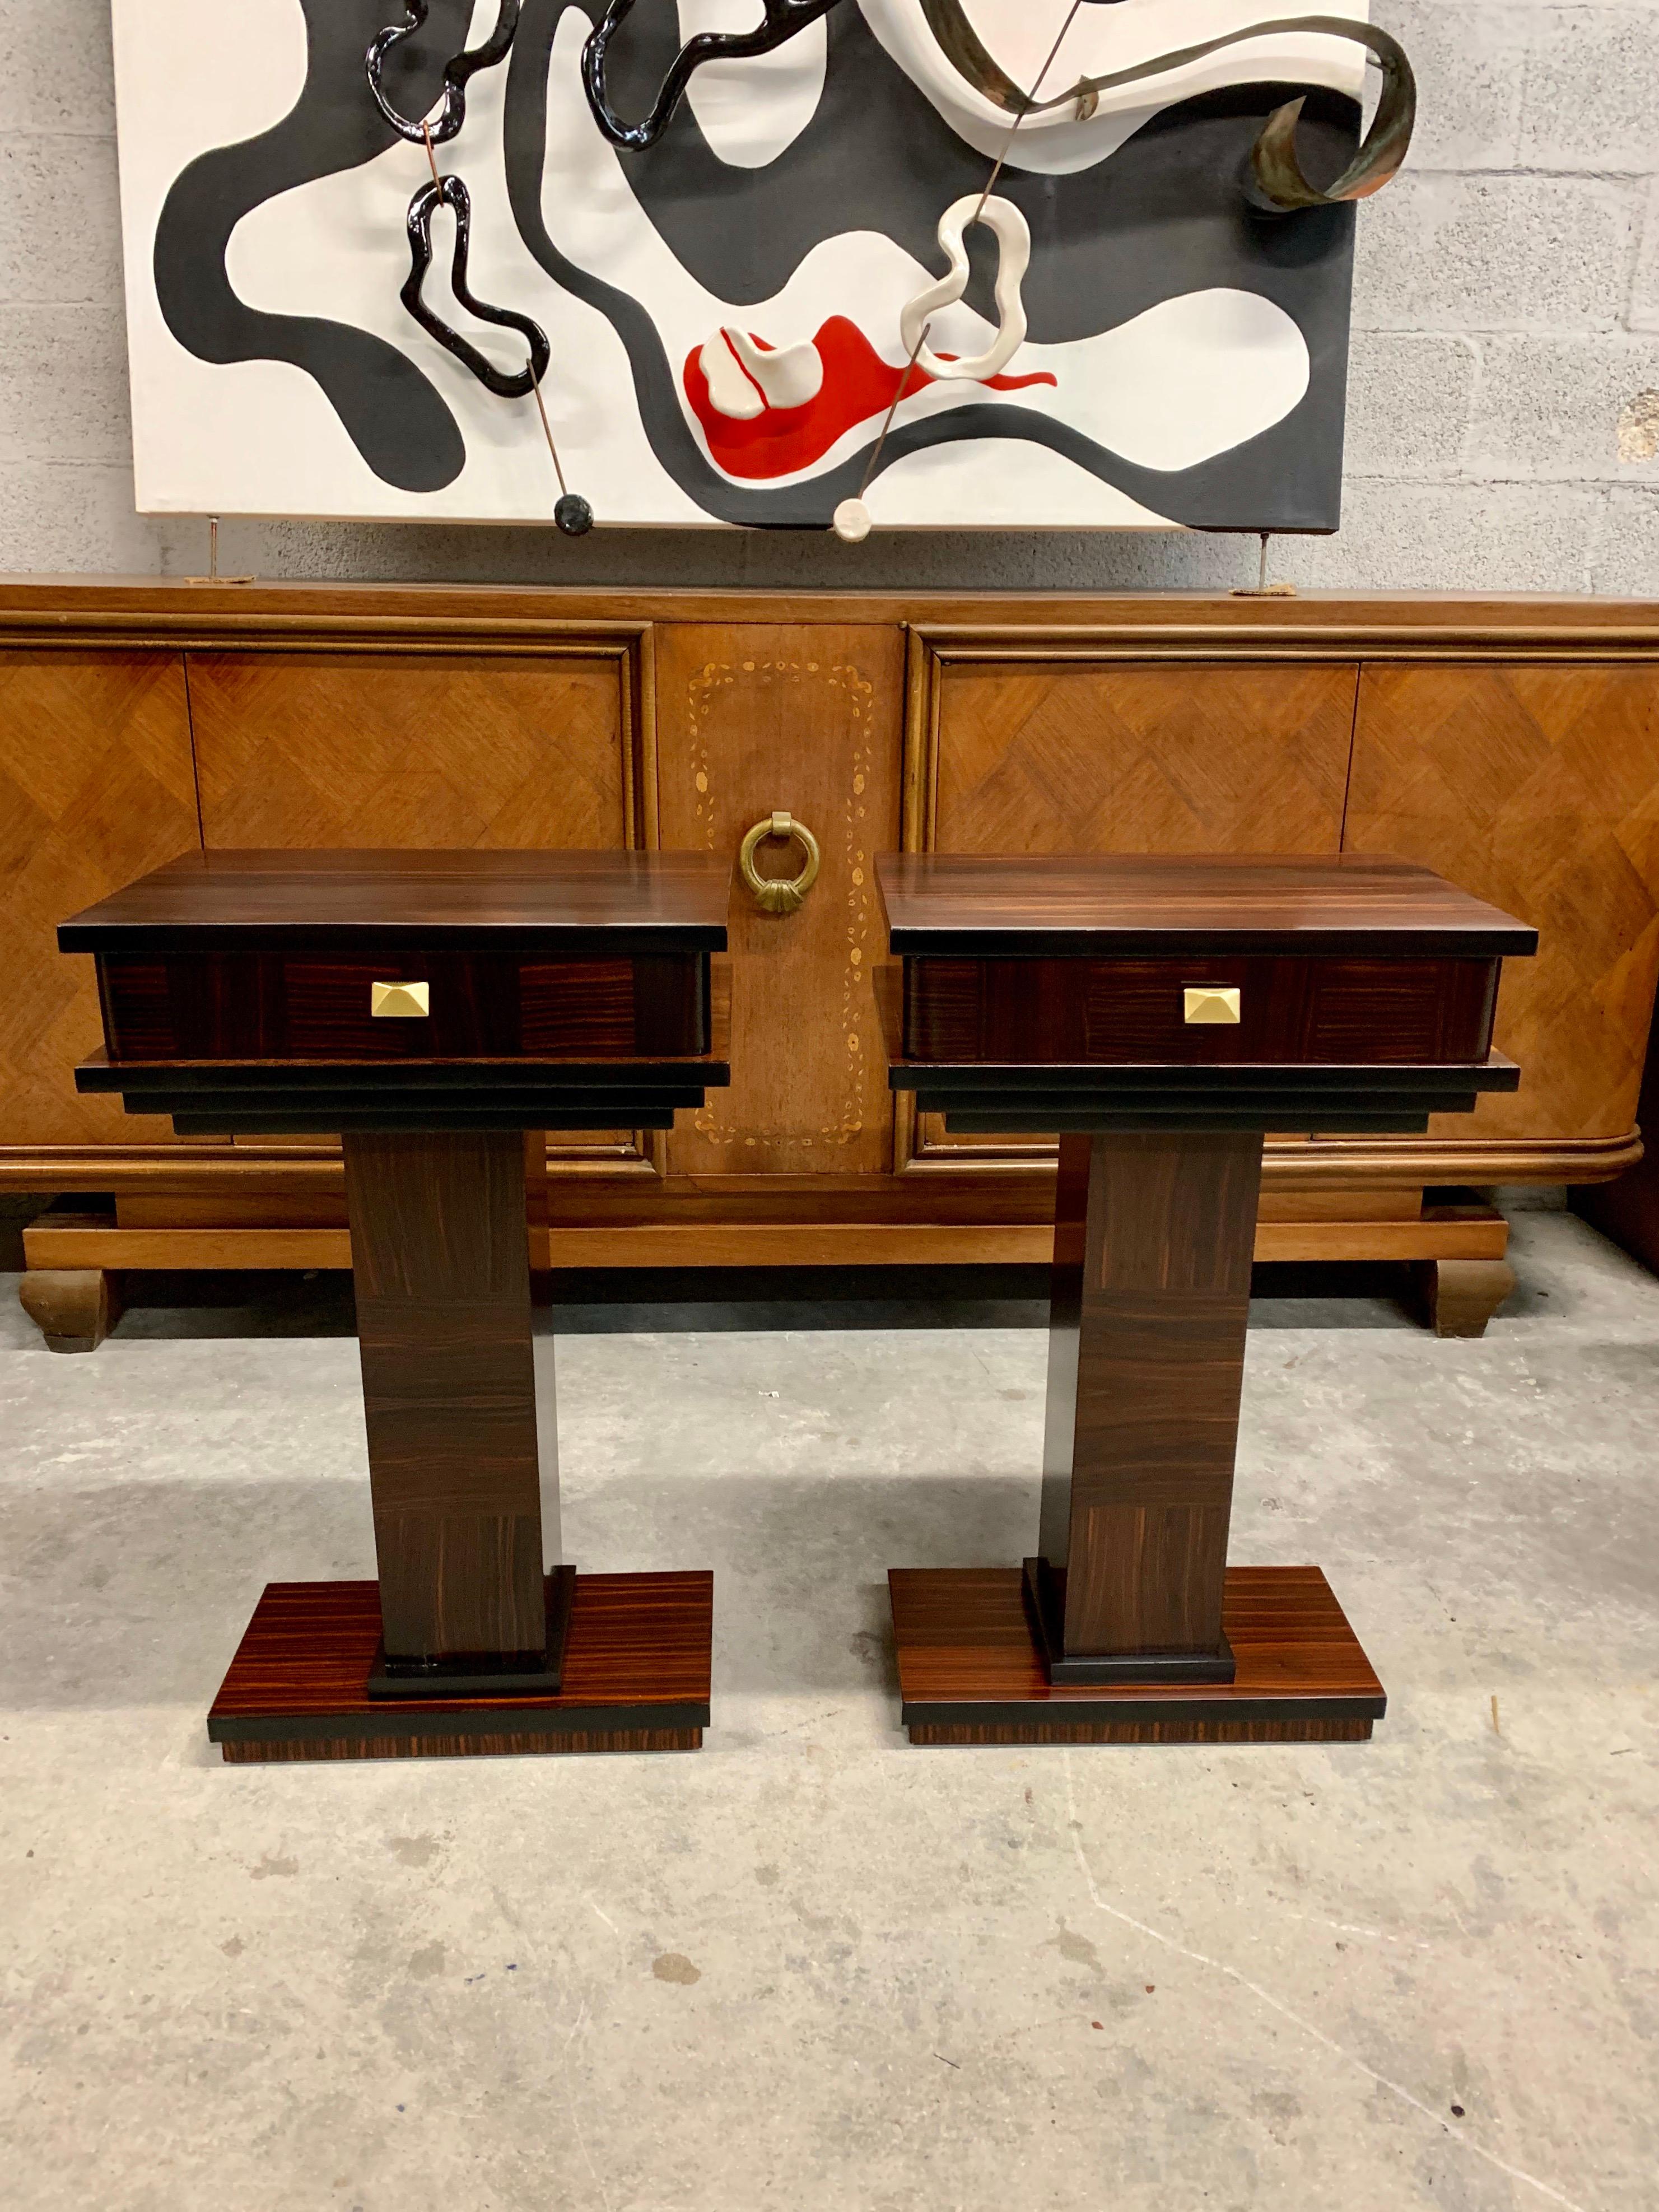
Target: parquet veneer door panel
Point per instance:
(805, 721)
(1538, 788)
(1128, 758)
(96, 786)
(1018, 757)
(320, 750)
(400, 749)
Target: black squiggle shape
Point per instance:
(1287, 478)
(394, 415)
(453, 111)
(451, 192)
(779, 23)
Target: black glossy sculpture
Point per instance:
(451, 192)
(781, 22)
(451, 112)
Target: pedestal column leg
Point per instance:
(442, 1275)
(1153, 1238)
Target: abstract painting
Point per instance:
(725, 308)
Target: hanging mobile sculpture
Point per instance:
(458, 72)
(1274, 183)
(572, 514)
(780, 21)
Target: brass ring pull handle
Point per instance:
(781, 895)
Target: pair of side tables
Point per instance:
(1158, 1014)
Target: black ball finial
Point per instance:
(574, 516)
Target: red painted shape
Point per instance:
(858, 385)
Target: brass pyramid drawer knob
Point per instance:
(1210, 1002)
(410, 1001)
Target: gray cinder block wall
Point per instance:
(1504, 397)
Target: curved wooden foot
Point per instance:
(1461, 1296)
(74, 1307)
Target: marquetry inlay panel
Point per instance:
(805, 722)
(1538, 788)
(1021, 757)
(95, 788)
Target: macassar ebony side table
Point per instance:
(1161, 1015)
(432, 1008)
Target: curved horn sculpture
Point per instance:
(1276, 182)
(781, 20)
(453, 111)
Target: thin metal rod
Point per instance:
(536, 389)
(887, 422)
(548, 429)
(990, 186)
(1261, 576)
(996, 166)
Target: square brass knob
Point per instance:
(1210, 1002)
(410, 1001)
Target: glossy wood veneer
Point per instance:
(1293, 1009)
(636, 1678)
(549, 903)
(1046, 994)
(970, 1671)
(1153, 1233)
(983, 906)
(252, 1006)
(568, 991)
(441, 1276)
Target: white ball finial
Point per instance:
(852, 522)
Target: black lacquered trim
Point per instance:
(483, 1674)
(1085, 1669)
(1138, 1712)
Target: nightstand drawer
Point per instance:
(1290, 1011)
(483, 1005)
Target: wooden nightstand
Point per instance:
(1162, 1014)
(432, 1008)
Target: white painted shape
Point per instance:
(789, 376)
(182, 86)
(1014, 237)
(1020, 33)
(730, 391)
(750, 112)
(1180, 382)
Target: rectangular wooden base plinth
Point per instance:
(636, 1666)
(970, 1671)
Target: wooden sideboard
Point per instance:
(1510, 743)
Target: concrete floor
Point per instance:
(812, 1968)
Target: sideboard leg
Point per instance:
(1461, 1296)
(74, 1307)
